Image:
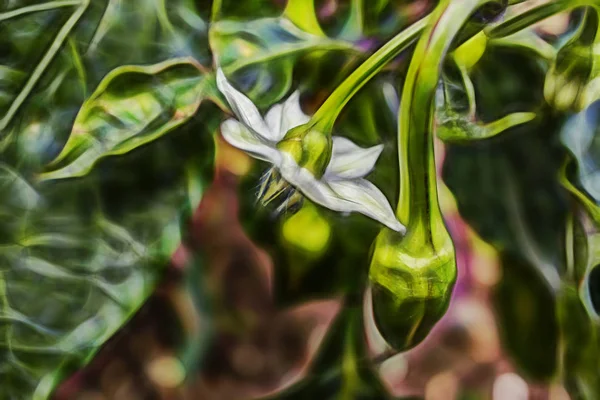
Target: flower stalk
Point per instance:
(325, 116)
(412, 274)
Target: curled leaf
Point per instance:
(457, 128)
(132, 106)
(456, 111)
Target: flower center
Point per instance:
(310, 148)
(273, 186)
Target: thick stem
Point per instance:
(326, 115)
(330, 109)
(537, 14)
(418, 207)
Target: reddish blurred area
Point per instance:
(248, 348)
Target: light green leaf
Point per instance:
(457, 128)
(259, 55)
(132, 106)
(529, 41)
(302, 14)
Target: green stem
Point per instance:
(418, 207)
(52, 5)
(536, 14)
(326, 115)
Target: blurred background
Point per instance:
(214, 296)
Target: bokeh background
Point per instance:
(218, 297)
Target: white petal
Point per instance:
(293, 115)
(358, 195)
(238, 135)
(242, 106)
(284, 116)
(350, 161)
(367, 199)
(273, 120)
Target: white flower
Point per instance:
(342, 187)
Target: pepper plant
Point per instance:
(110, 112)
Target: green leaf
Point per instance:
(302, 14)
(581, 136)
(526, 307)
(456, 114)
(572, 68)
(353, 28)
(259, 55)
(91, 273)
(25, 29)
(458, 128)
(526, 40)
(131, 107)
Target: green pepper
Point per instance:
(412, 274)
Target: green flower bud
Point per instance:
(411, 287)
(571, 71)
(309, 147)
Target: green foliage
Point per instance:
(112, 94)
(526, 307)
(132, 106)
(91, 272)
(521, 212)
(260, 55)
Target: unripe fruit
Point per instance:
(411, 287)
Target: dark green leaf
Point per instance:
(91, 273)
(527, 319)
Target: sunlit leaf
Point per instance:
(131, 107)
(302, 14)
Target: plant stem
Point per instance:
(54, 48)
(418, 207)
(537, 14)
(326, 115)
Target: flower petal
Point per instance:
(273, 120)
(238, 135)
(357, 195)
(367, 199)
(349, 161)
(293, 115)
(242, 106)
(285, 116)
